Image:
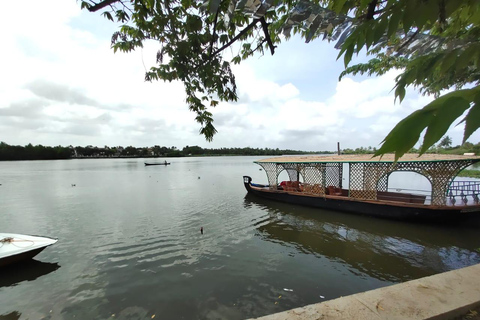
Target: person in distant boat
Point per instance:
(165, 162)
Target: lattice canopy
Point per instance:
(367, 175)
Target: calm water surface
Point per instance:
(130, 243)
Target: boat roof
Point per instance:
(387, 158)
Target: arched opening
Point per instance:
(284, 176)
(408, 182)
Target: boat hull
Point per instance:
(375, 208)
(21, 247)
(157, 164)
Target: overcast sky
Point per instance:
(61, 84)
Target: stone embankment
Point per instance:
(442, 296)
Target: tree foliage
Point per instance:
(30, 152)
(433, 42)
(39, 152)
(446, 142)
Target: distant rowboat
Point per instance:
(157, 164)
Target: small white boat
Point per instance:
(17, 247)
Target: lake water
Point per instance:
(130, 245)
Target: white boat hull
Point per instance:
(18, 247)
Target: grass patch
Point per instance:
(469, 173)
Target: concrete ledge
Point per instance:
(442, 296)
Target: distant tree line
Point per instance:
(443, 147)
(30, 152)
(198, 151)
(39, 152)
(360, 150)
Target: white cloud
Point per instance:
(62, 84)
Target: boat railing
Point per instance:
(460, 193)
(464, 193)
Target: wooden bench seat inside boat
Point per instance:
(313, 189)
(401, 197)
(293, 186)
(334, 191)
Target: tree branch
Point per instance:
(214, 32)
(247, 28)
(267, 35)
(101, 5)
(371, 9)
(259, 45)
(442, 15)
(408, 41)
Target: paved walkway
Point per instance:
(442, 296)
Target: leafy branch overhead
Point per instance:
(433, 42)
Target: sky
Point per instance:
(62, 84)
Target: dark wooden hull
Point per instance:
(375, 208)
(157, 164)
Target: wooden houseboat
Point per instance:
(317, 181)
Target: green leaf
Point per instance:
(470, 54)
(360, 39)
(405, 134)
(107, 15)
(408, 15)
(363, 4)
(400, 92)
(472, 120)
(448, 61)
(420, 14)
(150, 4)
(380, 29)
(349, 42)
(437, 116)
(85, 5)
(338, 5)
(451, 6)
(186, 4)
(369, 35)
(214, 4)
(348, 56)
(393, 23)
(194, 23)
(444, 112)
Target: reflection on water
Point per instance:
(28, 270)
(386, 250)
(130, 243)
(15, 315)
